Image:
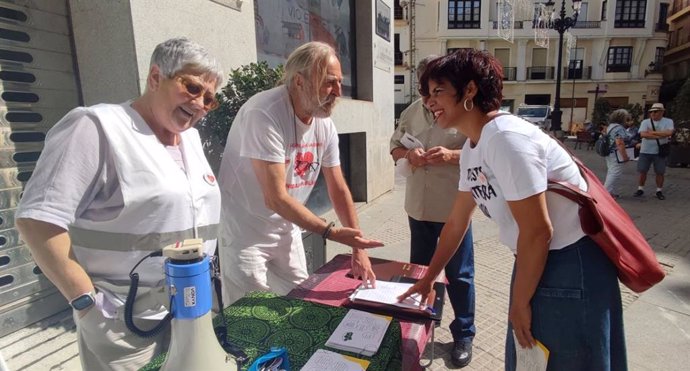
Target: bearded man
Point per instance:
(279, 142)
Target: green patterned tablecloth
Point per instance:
(263, 320)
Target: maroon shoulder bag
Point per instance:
(605, 221)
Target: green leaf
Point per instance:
(243, 83)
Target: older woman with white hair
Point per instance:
(114, 183)
(619, 121)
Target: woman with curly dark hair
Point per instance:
(564, 290)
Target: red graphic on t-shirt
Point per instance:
(304, 162)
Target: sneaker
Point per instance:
(461, 355)
(660, 195)
(638, 193)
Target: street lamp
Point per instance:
(561, 24)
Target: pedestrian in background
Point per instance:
(655, 132)
(619, 140)
(435, 178)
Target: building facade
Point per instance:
(59, 54)
(677, 58)
(617, 53)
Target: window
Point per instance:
(661, 25)
(397, 10)
(397, 55)
(582, 16)
(604, 6)
(399, 79)
(536, 23)
(464, 13)
(575, 64)
(630, 13)
(659, 58)
(619, 59)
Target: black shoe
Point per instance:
(462, 353)
(638, 193)
(660, 195)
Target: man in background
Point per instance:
(655, 132)
(429, 196)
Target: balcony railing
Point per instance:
(577, 73)
(587, 24)
(624, 23)
(509, 73)
(398, 58)
(516, 25)
(540, 73)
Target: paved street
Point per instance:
(657, 322)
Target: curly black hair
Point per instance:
(463, 66)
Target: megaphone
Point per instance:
(193, 343)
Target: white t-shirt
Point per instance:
(266, 128)
(514, 160)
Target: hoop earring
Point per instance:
(464, 105)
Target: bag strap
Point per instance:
(654, 128)
(567, 190)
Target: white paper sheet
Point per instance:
(410, 142)
(326, 360)
(387, 293)
(534, 359)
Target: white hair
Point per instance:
(181, 54)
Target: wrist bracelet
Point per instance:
(327, 232)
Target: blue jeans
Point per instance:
(459, 272)
(577, 312)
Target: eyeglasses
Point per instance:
(195, 90)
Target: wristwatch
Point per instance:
(83, 301)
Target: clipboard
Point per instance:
(631, 155)
(412, 314)
(438, 299)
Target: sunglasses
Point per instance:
(195, 90)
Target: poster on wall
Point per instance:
(282, 26)
(383, 20)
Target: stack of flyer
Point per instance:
(359, 332)
(326, 360)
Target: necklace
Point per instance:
(294, 119)
(310, 157)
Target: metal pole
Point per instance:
(556, 114)
(572, 101)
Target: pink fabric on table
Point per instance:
(329, 285)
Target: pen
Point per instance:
(427, 308)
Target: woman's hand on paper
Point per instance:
(520, 317)
(423, 287)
